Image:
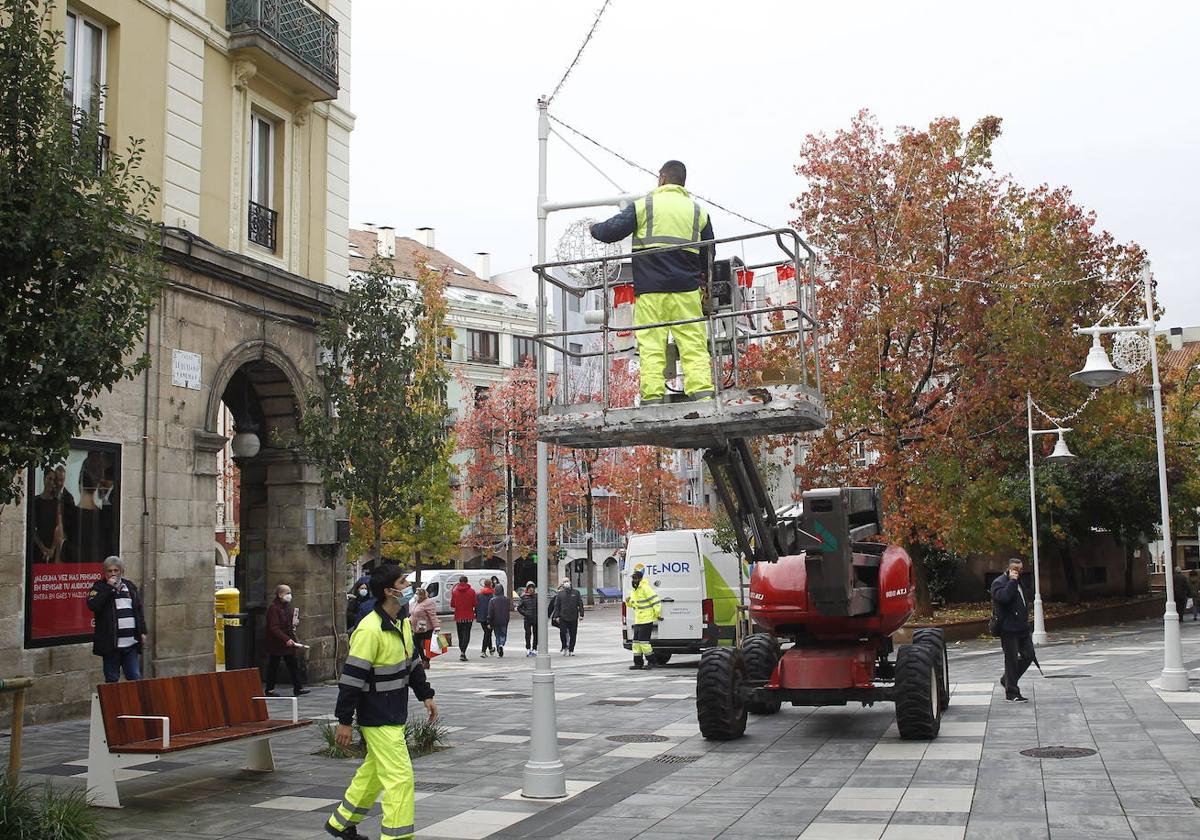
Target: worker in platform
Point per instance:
(383, 663)
(643, 601)
(667, 284)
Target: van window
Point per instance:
(431, 590)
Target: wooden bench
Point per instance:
(135, 722)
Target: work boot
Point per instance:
(650, 663)
(638, 664)
(350, 832)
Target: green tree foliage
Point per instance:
(77, 271)
(377, 427)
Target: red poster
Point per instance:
(58, 599)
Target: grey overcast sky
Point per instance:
(1099, 96)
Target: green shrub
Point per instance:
(423, 738)
(46, 813)
(426, 737)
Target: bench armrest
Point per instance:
(166, 725)
(295, 705)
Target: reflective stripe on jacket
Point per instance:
(645, 603)
(382, 664)
(666, 216)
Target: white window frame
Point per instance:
(272, 127)
(80, 24)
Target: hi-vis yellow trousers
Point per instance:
(691, 339)
(386, 768)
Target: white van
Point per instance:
(700, 586)
(439, 583)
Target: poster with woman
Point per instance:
(74, 523)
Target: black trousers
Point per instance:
(419, 639)
(567, 631)
(464, 635)
(293, 667)
(530, 634)
(487, 637)
(1018, 656)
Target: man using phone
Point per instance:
(1011, 608)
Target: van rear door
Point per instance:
(671, 561)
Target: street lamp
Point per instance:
(1060, 455)
(1098, 372)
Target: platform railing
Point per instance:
(800, 257)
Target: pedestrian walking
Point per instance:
(568, 612)
(482, 602)
(647, 611)
(462, 601)
(281, 641)
(1183, 591)
(358, 595)
(120, 625)
(425, 623)
(383, 655)
(528, 610)
(499, 610)
(1010, 614)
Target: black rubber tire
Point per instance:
(720, 707)
(918, 716)
(935, 640)
(760, 653)
(660, 658)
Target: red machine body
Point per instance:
(835, 652)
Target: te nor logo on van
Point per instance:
(677, 568)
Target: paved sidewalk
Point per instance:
(814, 774)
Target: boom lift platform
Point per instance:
(824, 598)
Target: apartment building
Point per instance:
(244, 110)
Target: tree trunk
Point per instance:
(1129, 561)
(590, 575)
(377, 544)
(916, 553)
(1070, 575)
(417, 566)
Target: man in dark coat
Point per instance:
(567, 611)
(1010, 607)
(120, 623)
(281, 640)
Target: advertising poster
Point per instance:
(73, 524)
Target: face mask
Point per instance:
(406, 593)
(287, 599)
(362, 593)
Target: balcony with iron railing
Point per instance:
(260, 225)
(291, 40)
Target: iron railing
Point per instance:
(261, 224)
(299, 27)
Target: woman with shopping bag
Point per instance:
(425, 623)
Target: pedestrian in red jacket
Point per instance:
(281, 640)
(463, 601)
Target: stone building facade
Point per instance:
(245, 121)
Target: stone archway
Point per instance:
(263, 391)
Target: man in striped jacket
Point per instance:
(382, 664)
(120, 624)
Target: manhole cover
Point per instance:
(675, 759)
(1058, 752)
(614, 702)
(638, 739)
(435, 787)
(1068, 676)
(507, 696)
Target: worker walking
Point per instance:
(382, 664)
(647, 609)
(667, 285)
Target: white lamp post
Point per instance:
(1098, 372)
(1060, 454)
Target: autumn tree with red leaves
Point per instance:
(947, 291)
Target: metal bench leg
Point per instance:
(258, 755)
(101, 776)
